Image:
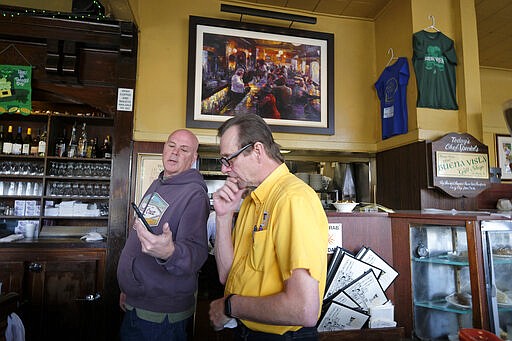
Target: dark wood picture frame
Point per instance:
(504, 155)
(213, 58)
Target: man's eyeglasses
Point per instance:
(225, 160)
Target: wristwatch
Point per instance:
(227, 305)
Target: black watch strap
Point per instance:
(227, 305)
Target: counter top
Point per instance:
(54, 243)
(333, 213)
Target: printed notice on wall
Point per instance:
(124, 99)
(334, 237)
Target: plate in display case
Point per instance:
(504, 298)
(459, 300)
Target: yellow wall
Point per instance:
(496, 89)
(457, 20)
(393, 29)
(160, 104)
(360, 56)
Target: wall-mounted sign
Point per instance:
(16, 89)
(460, 165)
(124, 99)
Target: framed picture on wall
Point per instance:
(284, 75)
(504, 155)
(149, 166)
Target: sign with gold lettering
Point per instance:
(460, 165)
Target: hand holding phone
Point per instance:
(141, 217)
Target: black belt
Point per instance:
(246, 334)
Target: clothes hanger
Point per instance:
(433, 26)
(390, 51)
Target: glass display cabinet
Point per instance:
(450, 263)
(441, 283)
(497, 250)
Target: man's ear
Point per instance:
(259, 149)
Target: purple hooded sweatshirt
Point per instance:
(168, 286)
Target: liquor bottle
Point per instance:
(106, 149)
(41, 150)
(60, 145)
(7, 148)
(82, 142)
(34, 146)
(17, 143)
(1, 139)
(91, 149)
(27, 142)
(72, 143)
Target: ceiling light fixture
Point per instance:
(267, 14)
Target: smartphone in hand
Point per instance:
(141, 217)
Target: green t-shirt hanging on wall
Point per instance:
(434, 63)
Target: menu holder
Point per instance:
(355, 288)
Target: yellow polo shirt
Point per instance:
(281, 227)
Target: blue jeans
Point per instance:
(134, 328)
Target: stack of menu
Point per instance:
(355, 287)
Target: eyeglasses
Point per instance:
(225, 160)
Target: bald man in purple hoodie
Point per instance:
(157, 270)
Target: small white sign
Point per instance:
(124, 99)
(334, 237)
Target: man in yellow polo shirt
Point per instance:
(274, 261)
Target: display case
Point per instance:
(497, 250)
(440, 258)
(441, 284)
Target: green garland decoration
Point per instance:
(18, 11)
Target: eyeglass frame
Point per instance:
(225, 159)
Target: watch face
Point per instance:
(421, 251)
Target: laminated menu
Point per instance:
(344, 270)
(340, 317)
(355, 287)
(369, 256)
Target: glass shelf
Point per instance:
(78, 177)
(442, 305)
(442, 259)
(17, 217)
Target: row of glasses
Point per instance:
(20, 188)
(79, 169)
(73, 189)
(21, 168)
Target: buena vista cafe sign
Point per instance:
(460, 165)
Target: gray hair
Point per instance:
(252, 128)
